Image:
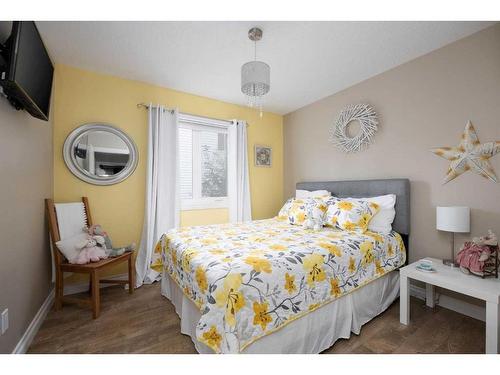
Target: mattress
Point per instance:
(252, 279)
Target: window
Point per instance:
(203, 166)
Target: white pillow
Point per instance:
(301, 194)
(382, 221)
(68, 246)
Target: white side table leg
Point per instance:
(429, 295)
(492, 327)
(404, 300)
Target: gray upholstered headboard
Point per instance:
(371, 188)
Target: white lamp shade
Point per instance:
(453, 219)
(255, 78)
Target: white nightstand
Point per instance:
(487, 289)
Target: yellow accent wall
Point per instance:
(204, 217)
(82, 96)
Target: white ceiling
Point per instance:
(309, 60)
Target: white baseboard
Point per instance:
(450, 303)
(30, 333)
(84, 287)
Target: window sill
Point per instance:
(204, 204)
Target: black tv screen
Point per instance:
(27, 80)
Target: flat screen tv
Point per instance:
(26, 75)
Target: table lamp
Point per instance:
(454, 220)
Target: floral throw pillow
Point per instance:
(303, 209)
(350, 214)
(285, 210)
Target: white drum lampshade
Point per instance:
(255, 75)
(255, 78)
(453, 219)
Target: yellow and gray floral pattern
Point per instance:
(253, 278)
(285, 210)
(302, 209)
(350, 214)
(297, 211)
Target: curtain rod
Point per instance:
(146, 106)
(186, 115)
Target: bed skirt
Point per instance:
(309, 334)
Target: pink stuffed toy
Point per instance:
(89, 251)
(473, 255)
(104, 241)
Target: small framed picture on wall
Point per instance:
(263, 156)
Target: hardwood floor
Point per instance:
(145, 322)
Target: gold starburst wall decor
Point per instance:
(469, 155)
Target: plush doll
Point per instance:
(473, 255)
(490, 239)
(314, 219)
(96, 230)
(89, 251)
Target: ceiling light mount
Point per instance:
(255, 34)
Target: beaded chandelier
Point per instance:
(255, 75)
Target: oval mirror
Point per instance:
(100, 154)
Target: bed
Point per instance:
(270, 287)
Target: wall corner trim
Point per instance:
(30, 333)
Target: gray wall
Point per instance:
(26, 178)
(422, 104)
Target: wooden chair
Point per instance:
(92, 269)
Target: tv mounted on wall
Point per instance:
(26, 72)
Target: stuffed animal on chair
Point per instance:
(96, 230)
(89, 251)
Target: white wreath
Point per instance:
(367, 118)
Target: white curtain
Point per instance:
(239, 184)
(162, 188)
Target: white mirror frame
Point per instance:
(83, 175)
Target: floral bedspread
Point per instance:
(251, 279)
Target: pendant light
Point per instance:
(255, 75)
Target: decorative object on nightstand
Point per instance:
(454, 220)
(425, 265)
(480, 257)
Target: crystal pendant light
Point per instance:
(255, 75)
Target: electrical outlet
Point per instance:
(5, 320)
